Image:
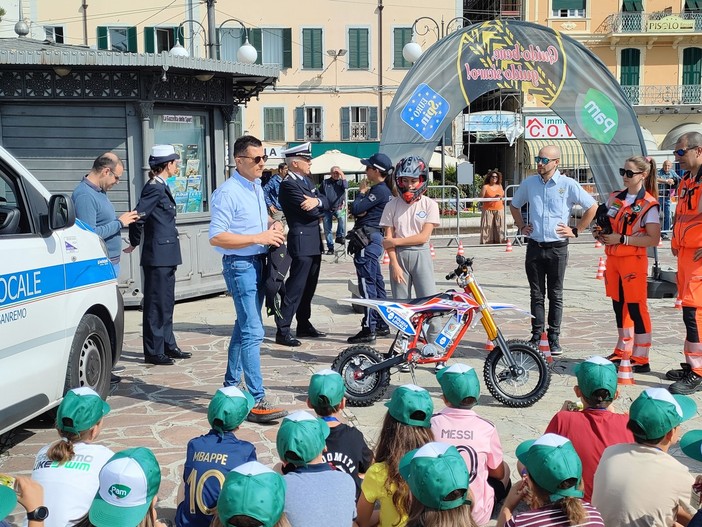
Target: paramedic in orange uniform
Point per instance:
(634, 216)
(687, 246)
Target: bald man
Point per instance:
(550, 197)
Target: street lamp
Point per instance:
(178, 50)
(412, 51)
(246, 53)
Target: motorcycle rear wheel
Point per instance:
(369, 389)
(522, 390)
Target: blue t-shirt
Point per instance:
(208, 460)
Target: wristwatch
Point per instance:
(622, 239)
(39, 514)
(575, 232)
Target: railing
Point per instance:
(663, 95)
(313, 132)
(650, 23)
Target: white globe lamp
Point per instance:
(247, 53)
(411, 52)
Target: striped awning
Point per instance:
(572, 155)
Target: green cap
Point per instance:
(433, 472)
(596, 373)
(458, 381)
(550, 460)
(228, 408)
(691, 444)
(408, 399)
(80, 410)
(326, 389)
(128, 483)
(8, 499)
(301, 434)
(657, 411)
(253, 490)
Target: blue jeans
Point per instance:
(340, 216)
(244, 278)
(664, 202)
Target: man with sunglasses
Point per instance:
(303, 207)
(687, 246)
(550, 197)
(242, 231)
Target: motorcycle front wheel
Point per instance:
(368, 389)
(522, 387)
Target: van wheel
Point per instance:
(90, 362)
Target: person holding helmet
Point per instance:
(409, 220)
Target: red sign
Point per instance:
(542, 127)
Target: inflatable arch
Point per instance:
(559, 71)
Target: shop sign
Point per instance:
(547, 127)
(669, 24)
(179, 119)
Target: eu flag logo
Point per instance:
(425, 111)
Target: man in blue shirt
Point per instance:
(271, 191)
(668, 179)
(241, 230)
(334, 188)
(550, 197)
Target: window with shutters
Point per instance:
(274, 45)
(632, 6)
(117, 38)
(311, 48)
(54, 33)
(359, 123)
(158, 39)
(400, 37)
(358, 49)
(274, 124)
(308, 123)
(692, 76)
(568, 8)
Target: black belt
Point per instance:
(548, 245)
(244, 257)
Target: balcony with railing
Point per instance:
(663, 96)
(313, 132)
(652, 24)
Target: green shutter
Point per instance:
(568, 4)
(102, 37)
(372, 123)
(132, 40)
(306, 48)
(149, 39)
(317, 49)
(632, 6)
(345, 123)
(255, 39)
(631, 63)
(312, 48)
(299, 123)
(287, 47)
(178, 35)
(358, 48)
(401, 36)
(692, 66)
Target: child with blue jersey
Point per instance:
(212, 456)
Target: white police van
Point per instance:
(61, 314)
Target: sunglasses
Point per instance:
(628, 173)
(682, 151)
(544, 160)
(256, 159)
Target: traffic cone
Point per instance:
(660, 242)
(545, 348)
(460, 251)
(600, 269)
(386, 258)
(508, 249)
(678, 303)
(625, 373)
(489, 346)
(598, 244)
(432, 251)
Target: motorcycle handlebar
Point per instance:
(462, 262)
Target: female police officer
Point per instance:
(367, 210)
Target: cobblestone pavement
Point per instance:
(163, 407)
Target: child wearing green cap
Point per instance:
(551, 486)
(640, 483)
(597, 426)
(476, 438)
(438, 478)
(317, 495)
(346, 447)
(252, 495)
(68, 469)
(211, 456)
(407, 426)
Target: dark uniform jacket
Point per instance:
(303, 237)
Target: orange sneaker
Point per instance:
(264, 412)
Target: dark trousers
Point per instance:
(545, 270)
(370, 279)
(299, 290)
(159, 300)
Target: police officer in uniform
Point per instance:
(367, 210)
(302, 206)
(160, 256)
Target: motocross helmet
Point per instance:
(415, 167)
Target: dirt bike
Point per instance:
(515, 371)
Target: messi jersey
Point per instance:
(207, 462)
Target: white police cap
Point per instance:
(303, 150)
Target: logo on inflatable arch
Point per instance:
(597, 115)
(425, 111)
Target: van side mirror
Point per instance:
(62, 214)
